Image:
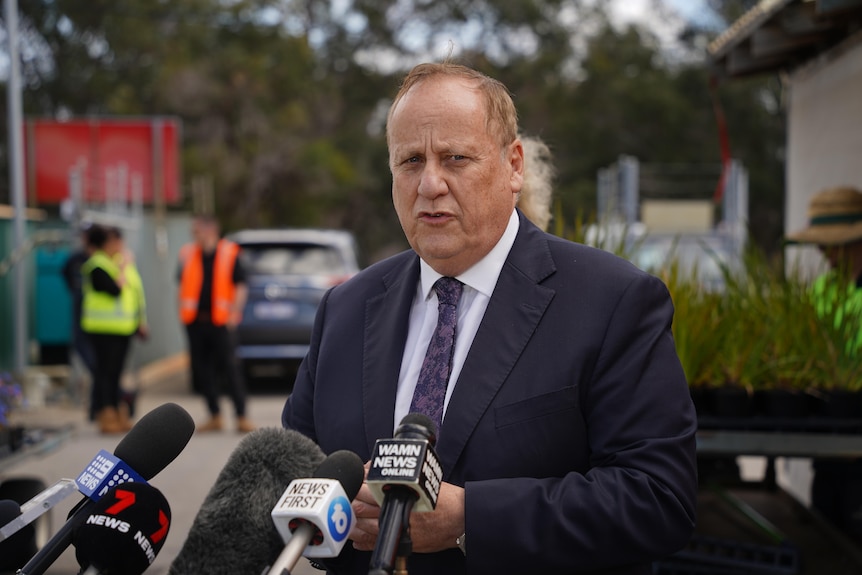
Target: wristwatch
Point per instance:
(461, 543)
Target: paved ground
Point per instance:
(185, 482)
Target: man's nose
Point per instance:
(432, 182)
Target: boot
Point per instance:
(109, 421)
(244, 424)
(123, 416)
(214, 424)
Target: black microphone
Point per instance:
(155, 440)
(15, 549)
(314, 515)
(9, 510)
(233, 531)
(124, 531)
(404, 476)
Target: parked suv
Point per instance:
(288, 271)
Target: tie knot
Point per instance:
(448, 291)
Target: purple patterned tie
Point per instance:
(434, 376)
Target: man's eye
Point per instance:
(413, 160)
(458, 157)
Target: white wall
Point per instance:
(824, 133)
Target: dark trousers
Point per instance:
(110, 354)
(82, 346)
(211, 352)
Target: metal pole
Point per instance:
(16, 181)
(630, 192)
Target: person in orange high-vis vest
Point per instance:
(212, 293)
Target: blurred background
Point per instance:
(687, 135)
(270, 113)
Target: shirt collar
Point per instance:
(482, 276)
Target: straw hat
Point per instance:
(834, 218)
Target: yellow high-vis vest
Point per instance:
(105, 314)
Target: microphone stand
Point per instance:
(405, 548)
(293, 550)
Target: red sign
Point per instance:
(106, 158)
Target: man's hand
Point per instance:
(438, 530)
(364, 532)
(430, 532)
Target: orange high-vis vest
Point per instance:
(191, 280)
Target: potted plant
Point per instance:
(790, 328)
(839, 369)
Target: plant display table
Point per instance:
(757, 528)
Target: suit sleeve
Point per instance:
(637, 500)
(298, 412)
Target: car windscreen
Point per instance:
(692, 254)
(293, 259)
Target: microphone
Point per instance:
(155, 440)
(314, 515)
(124, 531)
(233, 531)
(9, 511)
(405, 475)
(15, 550)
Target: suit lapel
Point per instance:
(386, 323)
(515, 309)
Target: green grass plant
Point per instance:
(762, 330)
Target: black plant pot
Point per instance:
(783, 403)
(730, 401)
(841, 404)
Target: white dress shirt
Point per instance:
(479, 282)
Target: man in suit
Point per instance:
(567, 438)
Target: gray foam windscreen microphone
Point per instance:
(233, 531)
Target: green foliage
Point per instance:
(763, 331)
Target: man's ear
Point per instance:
(515, 157)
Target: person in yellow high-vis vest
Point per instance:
(835, 227)
(113, 309)
(212, 294)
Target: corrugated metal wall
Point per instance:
(7, 286)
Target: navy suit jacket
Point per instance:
(570, 427)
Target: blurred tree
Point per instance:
(283, 102)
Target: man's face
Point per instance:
(845, 256)
(453, 187)
(113, 245)
(203, 232)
